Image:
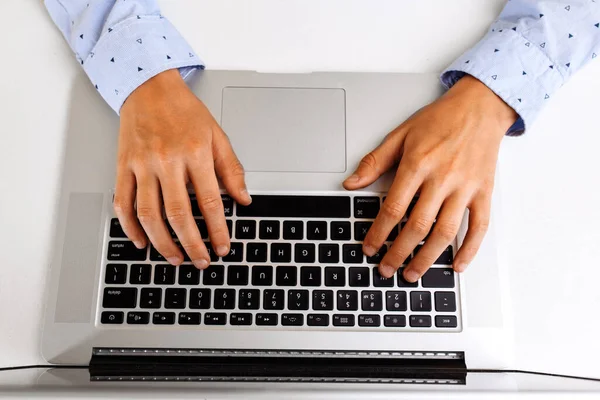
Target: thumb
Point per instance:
(377, 162)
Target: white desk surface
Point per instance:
(550, 239)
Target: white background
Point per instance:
(550, 239)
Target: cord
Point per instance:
(18, 367)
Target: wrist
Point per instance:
(156, 88)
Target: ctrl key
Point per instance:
(112, 317)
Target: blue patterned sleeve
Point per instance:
(531, 51)
(121, 43)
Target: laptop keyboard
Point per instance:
(295, 262)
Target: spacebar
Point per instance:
(296, 207)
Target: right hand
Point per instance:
(169, 138)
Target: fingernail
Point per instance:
(369, 251)
(222, 250)
(174, 260)
(353, 178)
(246, 195)
(460, 267)
(386, 271)
(411, 276)
(139, 244)
(200, 264)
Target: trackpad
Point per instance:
(286, 129)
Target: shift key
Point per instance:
(119, 297)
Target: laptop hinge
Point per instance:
(138, 364)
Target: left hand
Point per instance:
(447, 151)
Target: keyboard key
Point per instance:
(304, 253)
(215, 319)
(310, 276)
(125, 251)
(438, 278)
(274, 206)
(322, 300)
(202, 228)
(347, 300)
(317, 320)
(335, 276)
(195, 208)
(237, 275)
(200, 299)
(316, 230)
(292, 319)
(403, 282)
(329, 253)
(156, 256)
(340, 230)
(343, 320)
(298, 300)
(257, 252)
(377, 257)
(369, 320)
(380, 281)
(393, 235)
(227, 205)
(138, 318)
(420, 321)
(189, 318)
(229, 227)
(266, 319)
(268, 230)
(445, 301)
(396, 321)
(273, 299)
(119, 297)
(281, 252)
(293, 230)
(286, 276)
(245, 229)
(224, 299)
(371, 300)
(115, 229)
(446, 258)
(420, 301)
(359, 276)
(366, 207)
(214, 275)
(446, 321)
(112, 317)
(175, 298)
(249, 299)
(361, 229)
(163, 318)
(164, 274)
(150, 298)
(240, 319)
(262, 275)
(236, 253)
(211, 252)
(115, 273)
(395, 301)
(188, 275)
(352, 254)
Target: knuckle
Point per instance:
(481, 225)
(147, 214)
(446, 230)
(210, 202)
(236, 168)
(393, 209)
(369, 160)
(122, 207)
(177, 213)
(420, 225)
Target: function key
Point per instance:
(310, 276)
(317, 320)
(329, 253)
(237, 275)
(240, 319)
(343, 320)
(352, 254)
(140, 274)
(377, 257)
(316, 230)
(257, 252)
(125, 251)
(298, 300)
(164, 274)
(175, 298)
(266, 319)
(360, 230)
(119, 297)
(245, 229)
(214, 275)
(189, 318)
(115, 229)
(445, 301)
(268, 230)
(236, 252)
(281, 252)
(200, 299)
(359, 277)
(151, 298)
(347, 300)
(286, 276)
(292, 319)
(420, 321)
(403, 282)
(446, 321)
(293, 230)
(366, 207)
(163, 318)
(227, 205)
(420, 301)
(189, 275)
(371, 300)
(438, 278)
(304, 253)
(138, 318)
(369, 320)
(112, 317)
(224, 299)
(381, 281)
(273, 299)
(396, 321)
(335, 276)
(322, 300)
(340, 230)
(262, 275)
(395, 301)
(215, 318)
(115, 273)
(249, 299)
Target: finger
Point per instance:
(445, 230)
(417, 227)
(202, 175)
(179, 214)
(378, 161)
(150, 216)
(230, 169)
(123, 204)
(401, 193)
(479, 219)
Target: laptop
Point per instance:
(295, 301)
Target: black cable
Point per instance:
(18, 367)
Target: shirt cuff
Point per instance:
(515, 69)
(133, 51)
